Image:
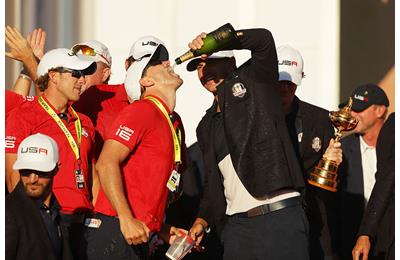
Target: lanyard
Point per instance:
(78, 127)
(177, 146)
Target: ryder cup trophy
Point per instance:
(325, 173)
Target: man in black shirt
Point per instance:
(310, 131)
(32, 226)
(252, 177)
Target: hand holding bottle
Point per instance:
(197, 43)
(209, 43)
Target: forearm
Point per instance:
(22, 86)
(264, 61)
(30, 66)
(111, 182)
(95, 185)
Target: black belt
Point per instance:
(74, 218)
(267, 208)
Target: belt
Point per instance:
(73, 218)
(267, 208)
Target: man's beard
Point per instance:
(40, 190)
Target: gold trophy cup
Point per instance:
(325, 173)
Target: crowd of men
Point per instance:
(96, 171)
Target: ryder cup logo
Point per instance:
(316, 144)
(238, 90)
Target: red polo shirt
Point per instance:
(14, 100)
(143, 128)
(101, 103)
(30, 118)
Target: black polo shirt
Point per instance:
(51, 219)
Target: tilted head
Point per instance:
(214, 69)
(147, 51)
(369, 107)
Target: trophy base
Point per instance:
(323, 183)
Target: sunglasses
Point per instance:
(74, 73)
(26, 173)
(87, 51)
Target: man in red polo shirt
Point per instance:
(140, 158)
(102, 102)
(60, 77)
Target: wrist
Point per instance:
(24, 76)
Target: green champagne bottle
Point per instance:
(213, 42)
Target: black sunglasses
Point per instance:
(74, 73)
(27, 172)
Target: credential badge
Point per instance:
(238, 90)
(316, 144)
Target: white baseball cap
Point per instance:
(37, 152)
(290, 64)
(95, 50)
(192, 65)
(142, 51)
(64, 58)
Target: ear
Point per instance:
(126, 64)
(146, 82)
(53, 77)
(106, 74)
(380, 111)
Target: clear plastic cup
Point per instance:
(180, 247)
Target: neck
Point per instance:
(371, 136)
(46, 199)
(216, 99)
(286, 108)
(168, 96)
(57, 100)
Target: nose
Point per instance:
(82, 79)
(33, 178)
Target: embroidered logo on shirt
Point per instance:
(316, 144)
(124, 132)
(84, 132)
(238, 90)
(10, 141)
(29, 98)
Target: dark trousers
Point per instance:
(108, 243)
(76, 234)
(278, 235)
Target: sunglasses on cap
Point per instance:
(87, 51)
(74, 73)
(27, 172)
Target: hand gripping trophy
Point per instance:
(325, 173)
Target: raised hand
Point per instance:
(19, 47)
(37, 41)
